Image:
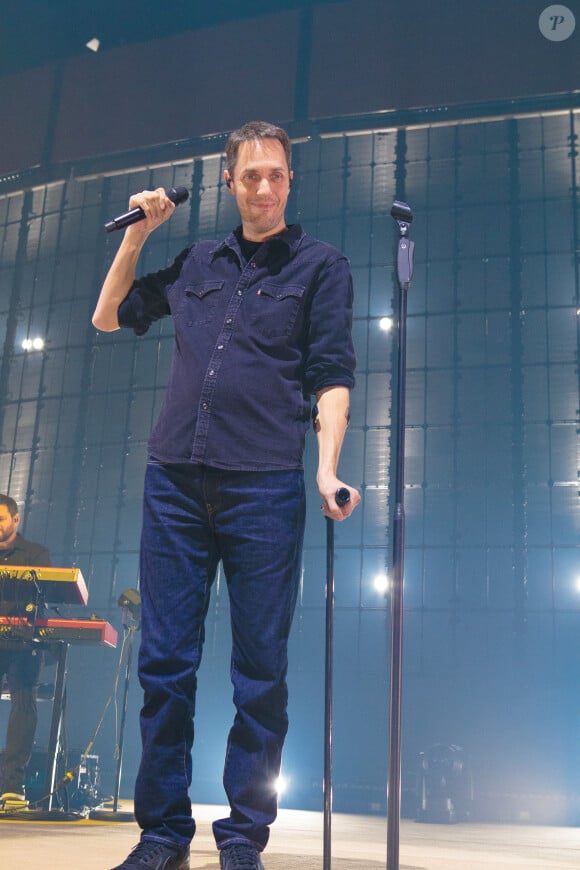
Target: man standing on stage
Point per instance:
(20, 666)
(262, 322)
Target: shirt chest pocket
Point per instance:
(198, 303)
(275, 308)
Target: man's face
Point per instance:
(8, 526)
(261, 184)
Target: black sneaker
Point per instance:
(240, 857)
(151, 855)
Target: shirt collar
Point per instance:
(290, 238)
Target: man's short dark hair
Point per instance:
(9, 502)
(250, 132)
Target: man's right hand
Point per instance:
(157, 207)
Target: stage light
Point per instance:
(386, 323)
(33, 344)
(93, 44)
(281, 785)
(130, 600)
(445, 785)
(382, 583)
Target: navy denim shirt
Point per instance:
(253, 341)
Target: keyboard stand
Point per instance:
(61, 652)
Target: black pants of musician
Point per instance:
(22, 669)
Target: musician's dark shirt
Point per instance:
(253, 341)
(23, 552)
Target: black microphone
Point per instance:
(177, 195)
(342, 496)
(401, 211)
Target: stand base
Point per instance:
(111, 816)
(42, 816)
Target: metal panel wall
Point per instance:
(493, 515)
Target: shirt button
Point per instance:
(229, 320)
(253, 265)
(220, 347)
(239, 292)
(204, 406)
(212, 372)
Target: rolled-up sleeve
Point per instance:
(330, 358)
(146, 301)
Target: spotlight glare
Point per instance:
(281, 785)
(93, 44)
(381, 583)
(33, 344)
(386, 323)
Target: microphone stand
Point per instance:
(402, 214)
(130, 627)
(130, 603)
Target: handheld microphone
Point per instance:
(177, 195)
(342, 496)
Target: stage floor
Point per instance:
(359, 843)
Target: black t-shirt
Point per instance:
(247, 247)
(25, 552)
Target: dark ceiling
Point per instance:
(37, 32)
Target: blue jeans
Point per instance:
(253, 522)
